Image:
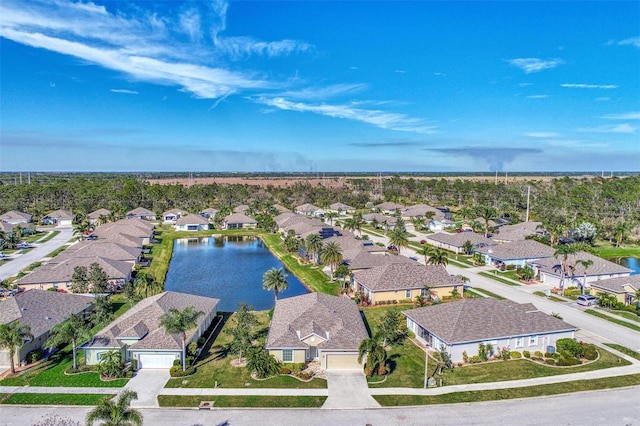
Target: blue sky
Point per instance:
(319, 86)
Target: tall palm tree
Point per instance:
(374, 353)
(425, 251)
(331, 255)
(82, 228)
(74, 330)
(313, 243)
(487, 213)
(331, 216)
(179, 322)
(586, 263)
(399, 238)
(118, 413)
(563, 251)
(146, 284)
(275, 279)
(438, 257)
(418, 223)
(12, 337)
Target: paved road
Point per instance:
(42, 250)
(610, 407)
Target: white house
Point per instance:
(192, 222)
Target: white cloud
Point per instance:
(541, 134)
(589, 86)
(125, 91)
(530, 65)
(625, 116)
(400, 71)
(382, 119)
(614, 128)
(537, 96)
(568, 143)
(603, 99)
(633, 41)
(324, 92)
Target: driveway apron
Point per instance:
(148, 383)
(348, 389)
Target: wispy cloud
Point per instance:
(589, 86)
(569, 143)
(531, 65)
(400, 71)
(378, 118)
(328, 92)
(614, 128)
(537, 96)
(125, 91)
(624, 116)
(495, 157)
(631, 41)
(386, 144)
(542, 134)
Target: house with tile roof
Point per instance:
(516, 253)
(404, 281)
(455, 242)
(239, 221)
(16, 218)
(461, 326)
(41, 310)
(209, 213)
(191, 222)
(517, 232)
(317, 326)
(341, 209)
(171, 216)
(624, 289)
(386, 222)
(95, 216)
(58, 218)
(141, 213)
(138, 335)
(422, 210)
(102, 248)
(309, 209)
(388, 208)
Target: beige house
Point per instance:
(317, 327)
(623, 288)
(16, 218)
(58, 218)
(239, 221)
(95, 216)
(192, 222)
(141, 213)
(341, 209)
(404, 281)
(455, 242)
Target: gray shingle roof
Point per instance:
(41, 309)
(481, 319)
(336, 320)
(140, 211)
(102, 248)
(191, 219)
(239, 218)
(458, 239)
(389, 206)
(525, 249)
(421, 210)
(63, 271)
(143, 320)
(340, 206)
(402, 276)
(600, 266)
(60, 214)
(363, 259)
(15, 216)
(616, 285)
(380, 218)
(517, 232)
(100, 212)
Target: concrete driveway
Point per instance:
(148, 383)
(348, 389)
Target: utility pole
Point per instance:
(528, 195)
(426, 363)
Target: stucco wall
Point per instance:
(298, 355)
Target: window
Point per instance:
(533, 340)
(407, 294)
(99, 355)
(423, 292)
(519, 342)
(287, 355)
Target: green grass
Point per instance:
(51, 399)
(48, 237)
(551, 297)
(500, 394)
(57, 251)
(490, 294)
(243, 401)
(627, 315)
(624, 350)
(495, 277)
(214, 366)
(607, 251)
(613, 320)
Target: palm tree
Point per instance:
(620, 232)
(438, 257)
(179, 322)
(564, 251)
(636, 299)
(82, 228)
(118, 413)
(331, 255)
(585, 265)
(313, 243)
(331, 216)
(425, 251)
(399, 238)
(428, 291)
(12, 337)
(74, 330)
(418, 223)
(487, 213)
(342, 271)
(467, 247)
(374, 353)
(275, 279)
(146, 284)
(354, 223)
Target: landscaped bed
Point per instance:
(243, 401)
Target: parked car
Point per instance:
(587, 300)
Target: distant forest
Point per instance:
(562, 203)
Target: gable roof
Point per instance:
(14, 216)
(41, 309)
(192, 219)
(380, 218)
(242, 208)
(143, 321)
(308, 208)
(60, 215)
(600, 266)
(421, 210)
(389, 206)
(102, 248)
(525, 249)
(239, 218)
(402, 276)
(517, 232)
(458, 239)
(363, 259)
(140, 211)
(340, 206)
(618, 284)
(335, 319)
(63, 271)
(280, 208)
(100, 212)
(479, 319)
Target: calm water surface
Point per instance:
(229, 269)
(629, 262)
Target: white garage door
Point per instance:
(342, 362)
(155, 360)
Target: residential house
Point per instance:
(549, 270)
(243, 208)
(517, 253)
(172, 216)
(239, 221)
(455, 242)
(16, 218)
(280, 209)
(192, 222)
(310, 210)
(404, 281)
(58, 218)
(138, 335)
(436, 225)
(386, 222)
(422, 210)
(136, 232)
(141, 213)
(209, 213)
(517, 232)
(101, 248)
(461, 326)
(317, 327)
(40, 310)
(388, 208)
(95, 216)
(341, 209)
(624, 289)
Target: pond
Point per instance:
(628, 262)
(227, 268)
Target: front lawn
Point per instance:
(248, 401)
(613, 320)
(215, 366)
(495, 277)
(51, 399)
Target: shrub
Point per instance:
(536, 358)
(296, 367)
(505, 354)
(482, 352)
(550, 361)
(570, 346)
(548, 355)
(201, 341)
(285, 370)
(538, 354)
(515, 354)
(192, 349)
(411, 334)
(567, 361)
(134, 364)
(306, 375)
(35, 355)
(176, 371)
(590, 352)
(526, 354)
(475, 359)
(511, 267)
(177, 363)
(465, 357)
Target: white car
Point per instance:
(587, 300)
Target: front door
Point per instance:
(313, 352)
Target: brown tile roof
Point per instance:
(60, 214)
(41, 309)
(239, 218)
(402, 276)
(63, 271)
(481, 319)
(600, 266)
(143, 320)
(14, 216)
(102, 248)
(525, 249)
(617, 285)
(100, 212)
(336, 320)
(458, 239)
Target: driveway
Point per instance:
(148, 383)
(348, 389)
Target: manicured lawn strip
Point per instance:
(551, 297)
(624, 350)
(490, 294)
(628, 315)
(57, 251)
(214, 366)
(607, 251)
(243, 401)
(500, 394)
(497, 278)
(48, 237)
(53, 399)
(613, 320)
